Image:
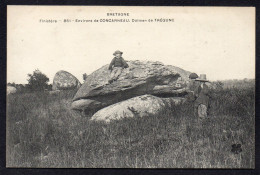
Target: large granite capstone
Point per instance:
(140, 78)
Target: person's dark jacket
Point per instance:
(118, 62)
(202, 94)
(192, 86)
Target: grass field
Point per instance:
(42, 131)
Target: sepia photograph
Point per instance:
(130, 87)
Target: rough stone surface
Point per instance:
(141, 106)
(10, 90)
(141, 77)
(83, 103)
(64, 80)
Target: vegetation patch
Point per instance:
(42, 131)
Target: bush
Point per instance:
(37, 81)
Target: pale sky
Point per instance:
(219, 41)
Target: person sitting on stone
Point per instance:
(201, 103)
(116, 66)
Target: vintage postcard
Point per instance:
(130, 87)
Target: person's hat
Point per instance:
(193, 76)
(202, 77)
(117, 52)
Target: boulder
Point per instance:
(10, 90)
(140, 78)
(64, 80)
(141, 106)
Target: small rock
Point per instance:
(10, 90)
